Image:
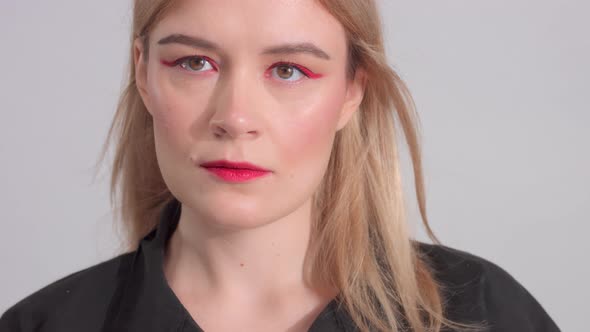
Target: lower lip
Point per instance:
(235, 174)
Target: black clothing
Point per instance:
(130, 293)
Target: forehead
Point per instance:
(255, 24)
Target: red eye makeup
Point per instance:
(290, 65)
(191, 63)
(202, 64)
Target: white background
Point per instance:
(503, 92)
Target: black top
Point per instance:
(130, 293)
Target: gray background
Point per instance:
(503, 95)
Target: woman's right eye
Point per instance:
(194, 63)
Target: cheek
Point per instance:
(174, 113)
(307, 137)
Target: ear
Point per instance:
(140, 62)
(355, 92)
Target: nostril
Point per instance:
(236, 127)
(219, 131)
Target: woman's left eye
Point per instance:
(287, 72)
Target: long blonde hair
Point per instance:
(360, 242)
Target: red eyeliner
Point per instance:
(168, 63)
(304, 70)
(179, 61)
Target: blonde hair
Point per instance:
(360, 241)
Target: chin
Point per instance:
(235, 214)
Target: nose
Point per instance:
(235, 114)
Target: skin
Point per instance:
(236, 260)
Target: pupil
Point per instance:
(196, 63)
(285, 72)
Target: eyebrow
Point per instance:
(288, 48)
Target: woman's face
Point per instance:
(251, 81)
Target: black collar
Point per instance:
(145, 302)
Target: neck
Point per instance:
(264, 261)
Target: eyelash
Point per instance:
(304, 71)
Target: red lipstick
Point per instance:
(232, 171)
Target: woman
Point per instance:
(259, 181)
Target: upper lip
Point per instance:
(233, 164)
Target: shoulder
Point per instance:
(82, 296)
(478, 290)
